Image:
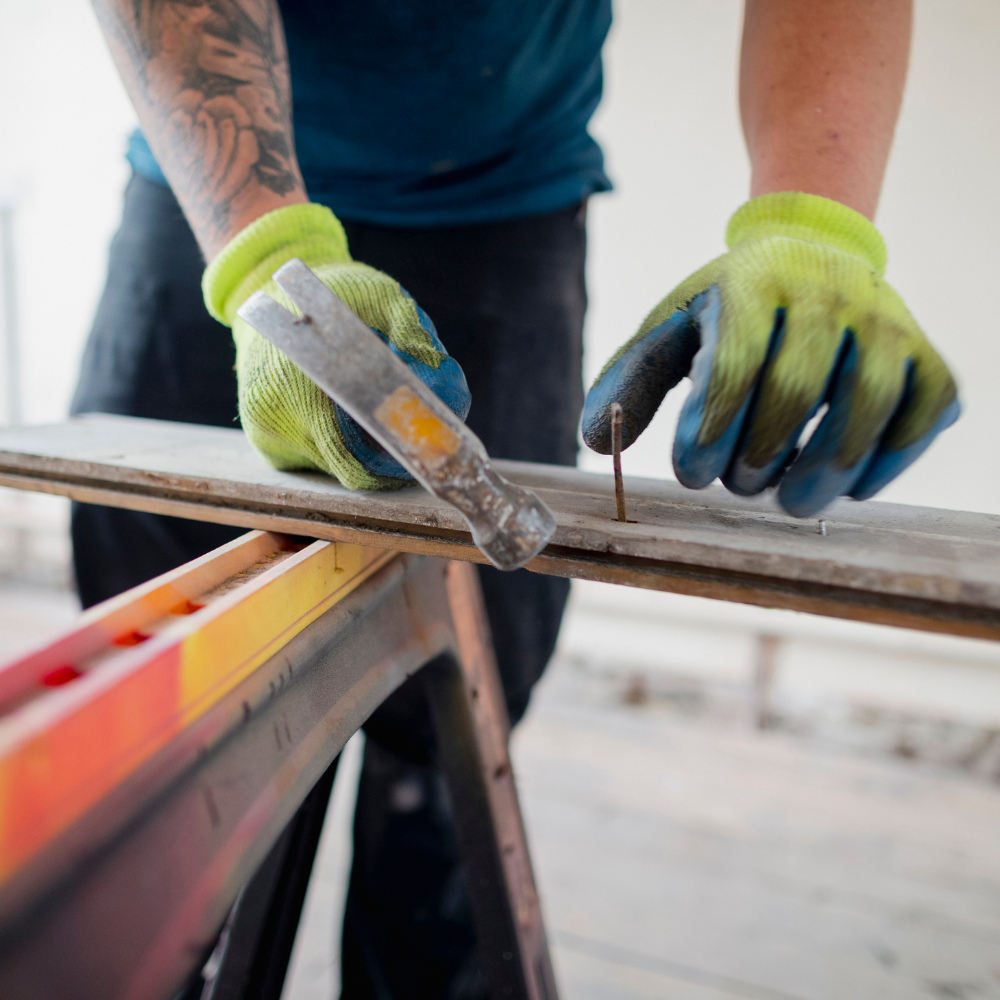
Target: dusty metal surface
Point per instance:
(130, 895)
(470, 715)
(908, 566)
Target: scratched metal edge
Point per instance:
(26, 897)
(955, 617)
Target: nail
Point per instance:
(616, 451)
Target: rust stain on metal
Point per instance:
(416, 426)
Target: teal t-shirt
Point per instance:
(438, 112)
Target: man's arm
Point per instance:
(821, 83)
(209, 80)
(795, 317)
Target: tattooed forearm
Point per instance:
(209, 79)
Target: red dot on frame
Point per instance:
(130, 639)
(186, 608)
(60, 675)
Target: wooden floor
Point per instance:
(683, 855)
(688, 856)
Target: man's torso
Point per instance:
(443, 111)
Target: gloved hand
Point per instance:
(795, 317)
(288, 419)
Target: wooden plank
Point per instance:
(908, 566)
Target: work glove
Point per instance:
(795, 318)
(287, 418)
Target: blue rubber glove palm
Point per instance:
(794, 319)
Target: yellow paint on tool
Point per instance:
(216, 657)
(416, 426)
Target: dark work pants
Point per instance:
(508, 300)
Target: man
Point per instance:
(450, 141)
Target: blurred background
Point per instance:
(723, 801)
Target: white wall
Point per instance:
(64, 117)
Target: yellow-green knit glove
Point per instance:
(794, 318)
(288, 419)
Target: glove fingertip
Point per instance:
(595, 424)
(807, 490)
(454, 389)
(886, 465)
(697, 465)
(638, 381)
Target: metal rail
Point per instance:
(153, 757)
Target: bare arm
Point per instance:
(209, 80)
(821, 83)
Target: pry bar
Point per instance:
(509, 524)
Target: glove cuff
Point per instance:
(309, 231)
(808, 217)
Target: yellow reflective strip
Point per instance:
(228, 648)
